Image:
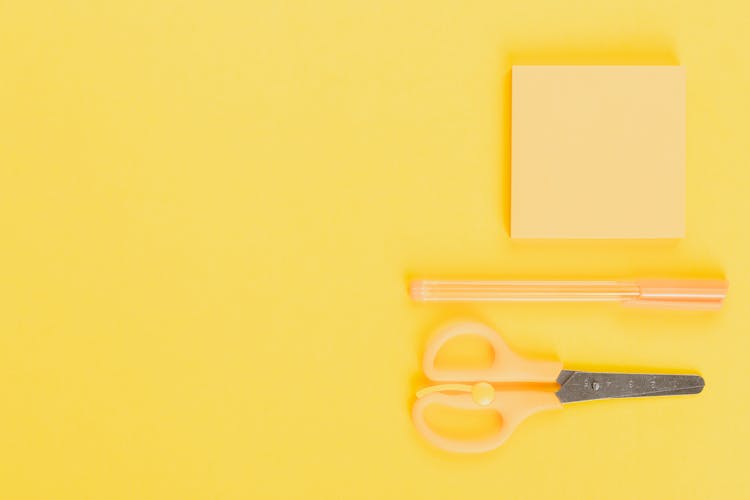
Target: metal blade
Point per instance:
(584, 386)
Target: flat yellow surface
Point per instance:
(209, 211)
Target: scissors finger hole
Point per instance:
(464, 425)
(465, 351)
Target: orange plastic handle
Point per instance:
(512, 405)
(506, 367)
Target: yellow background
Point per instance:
(209, 211)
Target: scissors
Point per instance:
(473, 389)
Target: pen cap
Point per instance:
(699, 295)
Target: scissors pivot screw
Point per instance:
(483, 393)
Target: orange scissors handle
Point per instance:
(506, 367)
(513, 407)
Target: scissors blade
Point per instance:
(585, 386)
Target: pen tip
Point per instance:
(416, 290)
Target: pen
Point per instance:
(672, 294)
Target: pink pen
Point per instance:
(667, 294)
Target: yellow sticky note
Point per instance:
(598, 152)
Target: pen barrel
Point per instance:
(523, 291)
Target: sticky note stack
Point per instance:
(598, 152)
